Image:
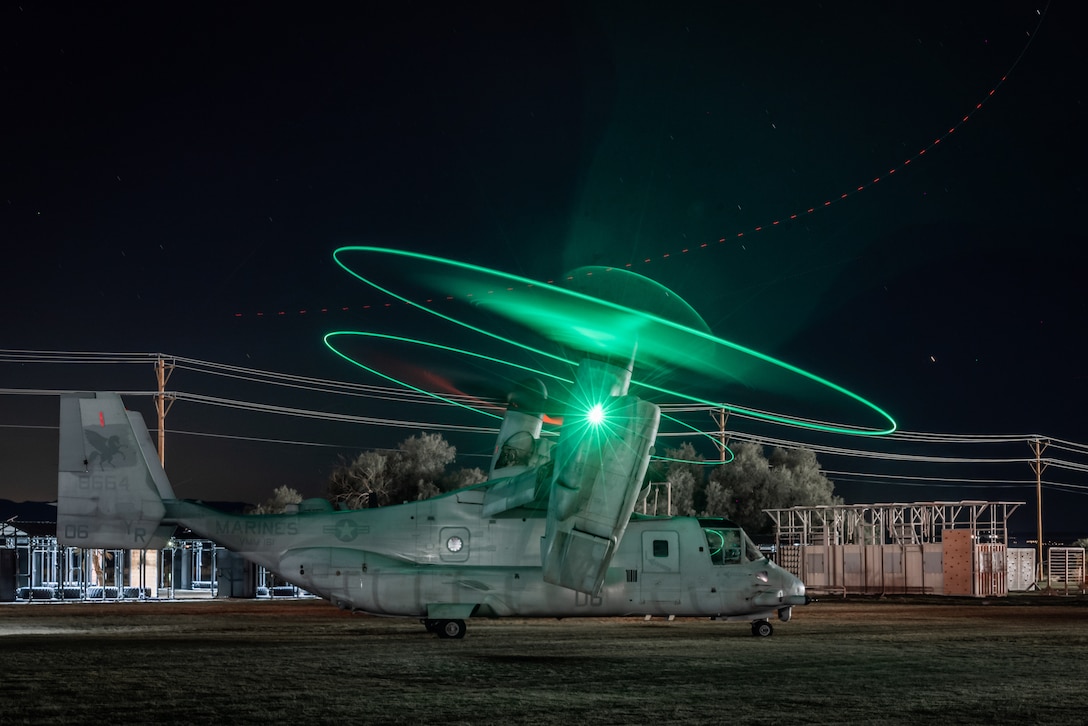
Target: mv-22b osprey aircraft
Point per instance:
(551, 533)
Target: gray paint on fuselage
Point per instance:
(394, 561)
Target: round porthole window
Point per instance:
(454, 544)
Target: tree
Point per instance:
(277, 504)
(735, 486)
(364, 481)
(685, 480)
(410, 473)
(806, 484)
(464, 477)
(717, 498)
(752, 482)
(418, 465)
(682, 493)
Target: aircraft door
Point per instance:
(660, 582)
(426, 542)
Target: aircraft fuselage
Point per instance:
(442, 558)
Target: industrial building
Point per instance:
(34, 567)
(937, 548)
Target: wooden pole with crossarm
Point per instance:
(162, 407)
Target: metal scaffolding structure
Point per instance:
(897, 523)
(41, 569)
(34, 567)
(942, 548)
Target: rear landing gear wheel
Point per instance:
(451, 628)
(762, 629)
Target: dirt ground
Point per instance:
(831, 613)
(871, 660)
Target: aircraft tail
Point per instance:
(110, 484)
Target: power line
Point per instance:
(869, 449)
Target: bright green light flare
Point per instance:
(329, 337)
(595, 416)
(617, 328)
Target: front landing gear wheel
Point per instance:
(450, 628)
(762, 629)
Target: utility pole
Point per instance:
(1037, 466)
(162, 375)
(720, 416)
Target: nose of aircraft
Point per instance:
(782, 588)
(792, 593)
(793, 590)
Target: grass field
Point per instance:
(1018, 660)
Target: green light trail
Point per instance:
(604, 328)
(329, 337)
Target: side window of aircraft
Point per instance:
(714, 545)
(732, 547)
(752, 551)
(724, 546)
(661, 548)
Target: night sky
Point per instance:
(174, 179)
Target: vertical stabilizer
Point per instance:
(110, 484)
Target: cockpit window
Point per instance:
(516, 450)
(730, 546)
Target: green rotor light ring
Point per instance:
(720, 543)
(703, 462)
(460, 351)
(697, 335)
(382, 336)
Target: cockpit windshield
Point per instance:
(730, 546)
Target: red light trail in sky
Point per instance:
(769, 224)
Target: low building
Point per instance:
(939, 548)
